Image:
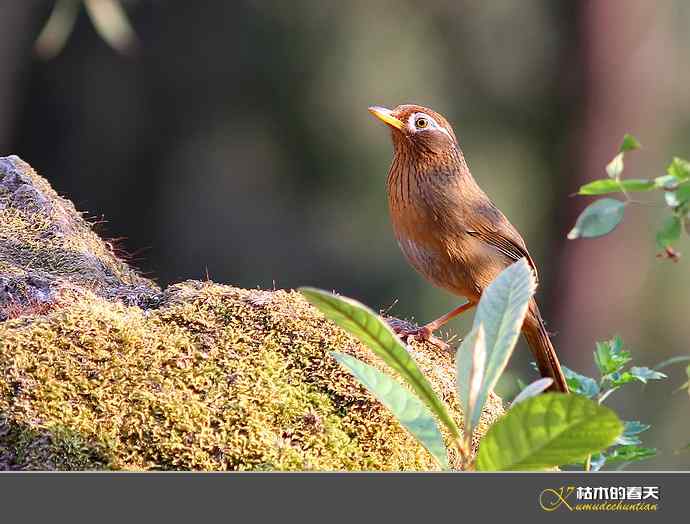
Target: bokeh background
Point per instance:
(235, 143)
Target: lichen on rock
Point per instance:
(46, 245)
(100, 369)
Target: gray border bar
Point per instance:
(357, 497)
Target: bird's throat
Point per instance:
(426, 181)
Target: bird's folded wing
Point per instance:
(503, 243)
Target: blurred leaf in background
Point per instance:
(108, 17)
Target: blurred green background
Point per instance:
(235, 142)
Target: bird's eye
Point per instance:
(421, 123)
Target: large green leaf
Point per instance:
(470, 362)
(547, 431)
(501, 311)
(608, 185)
(407, 408)
(371, 330)
(598, 218)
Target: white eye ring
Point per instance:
(431, 124)
(426, 121)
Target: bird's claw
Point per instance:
(407, 332)
(421, 334)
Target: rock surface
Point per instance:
(101, 369)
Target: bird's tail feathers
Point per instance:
(542, 349)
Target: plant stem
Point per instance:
(464, 447)
(606, 394)
(625, 193)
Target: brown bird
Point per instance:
(447, 227)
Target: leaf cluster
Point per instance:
(604, 214)
(611, 360)
(540, 431)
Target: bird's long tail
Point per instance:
(542, 349)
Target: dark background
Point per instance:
(235, 143)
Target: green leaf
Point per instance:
(534, 389)
(501, 311)
(547, 431)
(678, 197)
(666, 181)
(623, 454)
(630, 143)
(644, 374)
(630, 453)
(411, 412)
(635, 427)
(678, 172)
(580, 384)
(470, 361)
(608, 185)
(357, 319)
(610, 357)
(669, 232)
(599, 218)
(631, 428)
(680, 169)
(615, 167)
(620, 378)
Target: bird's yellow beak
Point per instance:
(386, 116)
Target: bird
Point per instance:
(448, 229)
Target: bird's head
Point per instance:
(417, 129)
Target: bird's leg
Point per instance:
(426, 331)
(440, 321)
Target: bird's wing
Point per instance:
(506, 243)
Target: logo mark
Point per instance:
(551, 499)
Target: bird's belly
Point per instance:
(437, 267)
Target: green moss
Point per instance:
(56, 449)
(213, 378)
(218, 378)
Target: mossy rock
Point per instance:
(99, 369)
(46, 246)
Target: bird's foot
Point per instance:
(407, 332)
